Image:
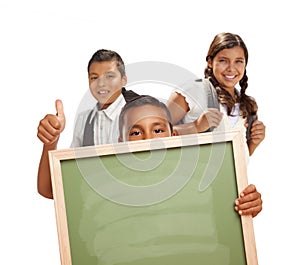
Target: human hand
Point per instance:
(257, 132)
(249, 202)
(210, 118)
(51, 125)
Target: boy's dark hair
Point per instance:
(143, 100)
(108, 56)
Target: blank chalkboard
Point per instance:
(164, 201)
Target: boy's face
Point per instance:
(145, 122)
(105, 82)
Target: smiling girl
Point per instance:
(227, 59)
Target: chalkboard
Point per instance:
(164, 201)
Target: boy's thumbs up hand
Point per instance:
(60, 114)
(51, 126)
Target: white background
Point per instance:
(44, 50)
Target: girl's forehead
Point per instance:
(232, 52)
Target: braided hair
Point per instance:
(248, 106)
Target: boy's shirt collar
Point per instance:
(112, 111)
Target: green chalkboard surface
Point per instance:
(171, 205)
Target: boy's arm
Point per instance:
(49, 130)
(44, 178)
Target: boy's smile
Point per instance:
(105, 82)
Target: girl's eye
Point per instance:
(93, 78)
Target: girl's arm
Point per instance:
(257, 136)
(178, 108)
(249, 202)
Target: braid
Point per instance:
(208, 70)
(248, 106)
(224, 97)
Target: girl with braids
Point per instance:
(227, 59)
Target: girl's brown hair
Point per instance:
(248, 106)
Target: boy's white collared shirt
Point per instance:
(106, 125)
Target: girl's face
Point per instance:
(228, 67)
(106, 82)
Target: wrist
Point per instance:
(52, 145)
(251, 147)
(197, 125)
(200, 125)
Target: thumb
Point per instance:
(59, 108)
(60, 112)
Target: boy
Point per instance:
(145, 117)
(107, 77)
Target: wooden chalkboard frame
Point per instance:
(238, 144)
